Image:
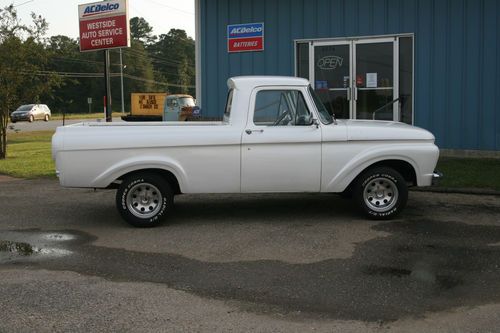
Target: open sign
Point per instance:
(330, 62)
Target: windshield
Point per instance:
(25, 108)
(324, 116)
(186, 101)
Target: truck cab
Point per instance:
(178, 107)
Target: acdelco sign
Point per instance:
(245, 37)
(104, 25)
(100, 9)
(248, 30)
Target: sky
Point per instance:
(62, 15)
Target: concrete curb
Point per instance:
(5, 178)
(474, 191)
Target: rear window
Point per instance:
(229, 103)
(25, 108)
(186, 101)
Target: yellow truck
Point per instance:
(146, 107)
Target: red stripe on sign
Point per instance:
(245, 44)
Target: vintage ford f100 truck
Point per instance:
(276, 136)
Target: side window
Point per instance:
(281, 108)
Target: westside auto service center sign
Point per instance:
(104, 25)
(245, 37)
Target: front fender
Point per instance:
(422, 158)
(141, 163)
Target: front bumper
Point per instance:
(19, 117)
(436, 177)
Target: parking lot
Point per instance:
(281, 263)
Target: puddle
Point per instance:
(421, 266)
(58, 237)
(25, 246)
(22, 249)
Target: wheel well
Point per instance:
(167, 175)
(404, 168)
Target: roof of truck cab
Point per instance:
(241, 82)
(179, 96)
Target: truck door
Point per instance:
(281, 145)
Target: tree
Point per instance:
(23, 59)
(78, 70)
(141, 31)
(174, 57)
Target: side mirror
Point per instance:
(315, 122)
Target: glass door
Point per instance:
(332, 76)
(374, 74)
(355, 79)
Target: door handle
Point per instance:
(348, 94)
(355, 93)
(249, 131)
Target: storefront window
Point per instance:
(303, 60)
(361, 78)
(406, 79)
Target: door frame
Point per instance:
(312, 68)
(395, 72)
(362, 40)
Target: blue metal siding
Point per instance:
(457, 54)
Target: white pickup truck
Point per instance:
(276, 136)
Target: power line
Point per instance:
(156, 59)
(99, 75)
(173, 8)
(23, 3)
(156, 82)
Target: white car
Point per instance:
(31, 112)
(276, 136)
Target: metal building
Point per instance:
(432, 63)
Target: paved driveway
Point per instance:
(269, 263)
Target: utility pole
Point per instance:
(121, 78)
(107, 86)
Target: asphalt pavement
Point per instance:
(237, 263)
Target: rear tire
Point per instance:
(381, 193)
(46, 117)
(144, 199)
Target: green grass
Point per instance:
(28, 155)
(470, 172)
(59, 116)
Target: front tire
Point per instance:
(46, 117)
(31, 119)
(144, 199)
(381, 193)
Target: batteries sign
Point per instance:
(104, 25)
(245, 37)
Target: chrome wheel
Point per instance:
(144, 200)
(380, 194)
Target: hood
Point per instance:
(369, 130)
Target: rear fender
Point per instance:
(141, 163)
